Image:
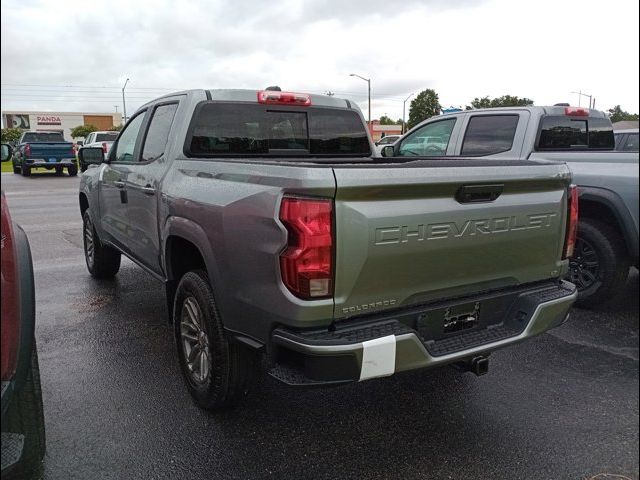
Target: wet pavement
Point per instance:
(564, 405)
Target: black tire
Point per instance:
(231, 366)
(73, 171)
(102, 260)
(59, 171)
(26, 171)
(26, 416)
(17, 170)
(600, 264)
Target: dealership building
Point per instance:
(59, 121)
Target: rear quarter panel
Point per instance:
(236, 205)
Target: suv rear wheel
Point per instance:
(600, 265)
(102, 260)
(217, 372)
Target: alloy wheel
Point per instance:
(195, 342)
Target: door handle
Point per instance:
(118, 184)
(478, 193)
(148, 190)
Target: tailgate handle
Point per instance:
(478, 193)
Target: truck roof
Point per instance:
(248, 95)
(542, 110)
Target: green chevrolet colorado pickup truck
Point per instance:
(276, 232)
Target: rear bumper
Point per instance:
(376, 347)
(40, 162)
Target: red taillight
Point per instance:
(572, 222)
(104, 147)
(10, 319)
(576, 111)
(27, 150)
(306, 264)
(271, 97)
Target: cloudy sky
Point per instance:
(67, 55)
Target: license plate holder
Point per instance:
(461, 317)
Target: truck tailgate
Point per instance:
(413, 233)
(51, 150)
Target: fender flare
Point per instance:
(194, 233)
(612, 201)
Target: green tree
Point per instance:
(616, 114)
(11, 135)
(116, 128)
(384, 120)
(425, 105)
(82, 130)
(503, 101)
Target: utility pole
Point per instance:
(368, 80)
(403, 110)
(124, 104)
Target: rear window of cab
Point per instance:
(245, 129)
(564, 132)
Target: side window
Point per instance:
(489, 134)
(158, 132)
(127, 141)
(429, 141)
(89, 139)
(631, 145)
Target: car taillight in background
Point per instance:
(572, 222)
(10, 310)
(576, 111)
(27, 150)
(306, 264)
(271, 97)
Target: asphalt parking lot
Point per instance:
(563, 406)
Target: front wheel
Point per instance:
(102, 260)
(217, 372)
(600, 265)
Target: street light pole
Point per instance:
(124, 104)
(580, 95)
(368, 80)
(403, 110)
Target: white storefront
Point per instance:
(59, 121)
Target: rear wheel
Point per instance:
(102, 260)
(217, 372)
(26, 171)
(26, 417)
(73, 171)
(59, 171)
(600, 265)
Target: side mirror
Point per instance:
(91, 155)
(387, 151)
(7, 151)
